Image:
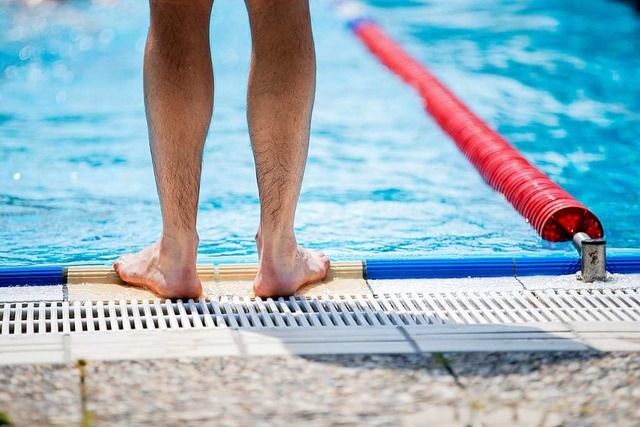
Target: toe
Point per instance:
(121, 261)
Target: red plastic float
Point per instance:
(550, 210)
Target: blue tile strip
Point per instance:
(623, 264)
(31, 276)
(438, 268)
(452, 268)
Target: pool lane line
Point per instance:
(551, 211)
(625, 262)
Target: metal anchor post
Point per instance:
(594, 257)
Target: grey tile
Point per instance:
(445, 285)
(31, 293)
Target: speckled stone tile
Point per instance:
(41, 395)
(107, 292)
(614, 281)
(574, 389)
(473, 389)
(476, 284)
(211, 289)
(244, 288)
(320, 390)
(31, 293)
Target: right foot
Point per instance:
(163, 269)
(282, 273)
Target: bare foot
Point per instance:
(163, 269)
(282, 273)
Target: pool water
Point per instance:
(558, 79)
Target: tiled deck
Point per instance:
(339, 316)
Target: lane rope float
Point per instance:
(550, 210)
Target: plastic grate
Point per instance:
(326, 312)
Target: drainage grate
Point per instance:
(327, 311)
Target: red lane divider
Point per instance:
(550, 210)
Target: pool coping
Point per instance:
(518, 333)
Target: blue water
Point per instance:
(557, 78)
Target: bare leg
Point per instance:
(178, 87)
(280, 101)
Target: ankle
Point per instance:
(277, 245)
(182, 246)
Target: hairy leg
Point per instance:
(280, 101)
(178, 89)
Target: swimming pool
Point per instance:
(382, 181)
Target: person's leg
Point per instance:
(280, 101)
(178, 89)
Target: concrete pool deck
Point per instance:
(529, 366)
(472, 389)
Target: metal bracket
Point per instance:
(594, 257)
